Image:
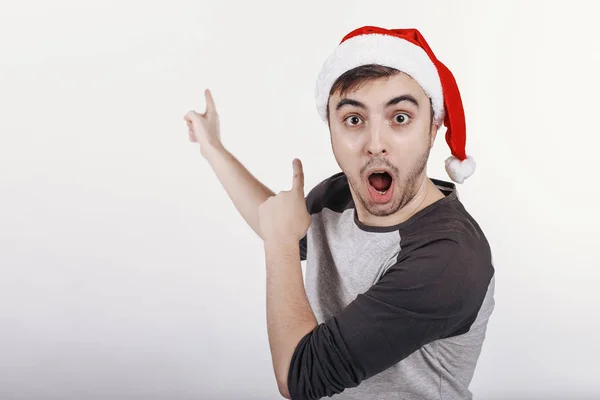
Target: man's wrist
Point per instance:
(283, 245)
(211, 150)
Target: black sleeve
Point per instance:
(332, 193)
(433, 292)
(303, 248)
(309, 199)
(312, 206)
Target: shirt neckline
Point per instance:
(447, 188)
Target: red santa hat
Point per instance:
(405, 50)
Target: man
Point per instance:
(399, 276)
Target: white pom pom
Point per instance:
(460, 170)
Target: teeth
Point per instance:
(384, 192)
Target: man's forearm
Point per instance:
(289, 316)
(246, 192)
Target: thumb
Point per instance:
(298, 180)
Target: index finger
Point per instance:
(210, 102)
(298, 181)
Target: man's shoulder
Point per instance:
(332, 193)
(446, 220)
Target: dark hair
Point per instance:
(356, 77)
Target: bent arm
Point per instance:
(429, 296)
(245, 191)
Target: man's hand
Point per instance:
(204, 128)
(284, 217)
(284, 221)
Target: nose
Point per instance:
(375, 144)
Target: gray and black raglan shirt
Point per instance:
(402, 311)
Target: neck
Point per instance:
(427, 194)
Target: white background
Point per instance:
(125, 270)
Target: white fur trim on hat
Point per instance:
(385, 50)
(459, 170)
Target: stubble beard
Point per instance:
(404, 191)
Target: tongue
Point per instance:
(381, 182)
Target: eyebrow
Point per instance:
(404, 97)
(395, 100)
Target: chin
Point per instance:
(380, 206)
(379, 210)
(401, 195)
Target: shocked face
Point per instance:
(381, 135)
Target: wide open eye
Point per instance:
(352, 120)
(402, 118)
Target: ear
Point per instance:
(433, 133)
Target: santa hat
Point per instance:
(405, 50)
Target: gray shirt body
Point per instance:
(402, 310)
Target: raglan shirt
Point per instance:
(402, 311)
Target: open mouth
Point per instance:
(380, 181)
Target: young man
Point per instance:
(399, 276)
